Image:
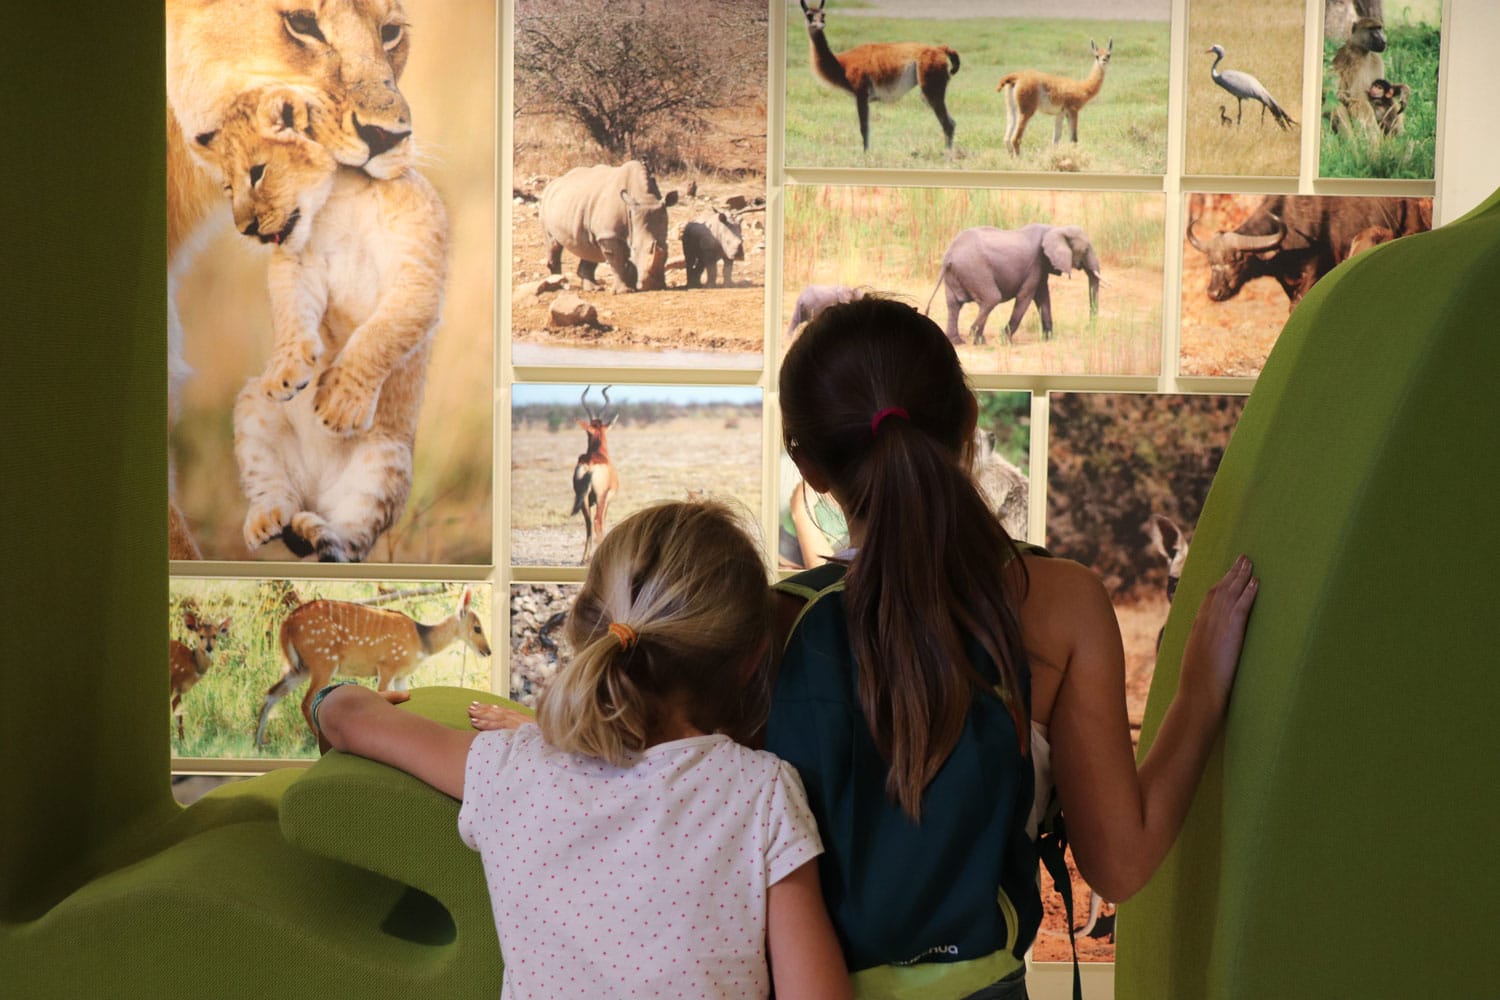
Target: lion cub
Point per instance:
(356, 282)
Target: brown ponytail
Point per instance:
(928, 573)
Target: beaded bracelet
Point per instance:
(318, 700)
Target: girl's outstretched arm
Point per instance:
(1122, 821)
(805, 957)
(359, 721)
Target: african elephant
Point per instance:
(990, 266)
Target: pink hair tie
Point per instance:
(889, 411)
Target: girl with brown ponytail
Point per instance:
(928, 672)
(631, 847)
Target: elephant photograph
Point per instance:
(1073, 279)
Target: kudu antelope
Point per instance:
(321, 640)
(882, 71)
(594, 477)
(1029, 91)
(189, 663)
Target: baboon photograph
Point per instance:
(1244, 87)
(1063, 85)
(538, 649)
(1127, 476)
(245, 655)
(585, 456)
(1247, 260)
(812, 528)
(331, 295)
(639, 201)
(1043, 282)
(1380, 86)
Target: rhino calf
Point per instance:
(612, 215)
(708, 239)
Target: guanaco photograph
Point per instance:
(1067, 85)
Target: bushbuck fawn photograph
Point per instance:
(290, 639)
(1127, 475)
(585, 456)
(908, 84)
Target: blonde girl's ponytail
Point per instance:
(594, 707)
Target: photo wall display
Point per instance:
(1247, 260)
(538, 640)
(639, 207)
(331, 297)
(1024, 281)
(585, 456)
(235, 691)
(978, 85)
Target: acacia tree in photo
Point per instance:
(631, 75)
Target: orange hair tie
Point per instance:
(624, 633)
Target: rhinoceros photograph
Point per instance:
(639, 209)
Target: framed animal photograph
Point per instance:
(1244, 87)
(812, 527)
(640, 184)
(330, 221)
(247, 656)
(538, 646)
(1380, 87)
(1043, 282)
(1068, 85)
(1127, 476)
(1247, 260)
(584, 456)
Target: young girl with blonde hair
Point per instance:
(630, 846)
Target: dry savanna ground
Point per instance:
(718, 454)
(1266, 41)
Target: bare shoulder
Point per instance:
(1066, 619)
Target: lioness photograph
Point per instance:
(330, 203)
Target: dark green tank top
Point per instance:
(959, 885)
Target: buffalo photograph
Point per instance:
(331, 294)
(1034, 282)
(247, 655)
(1243, 104)
(1380, 87)
(1127, 476)
(638, 209)
(585, 456)
(1035, 85)
(1247, 260)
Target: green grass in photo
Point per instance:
(1411, 57)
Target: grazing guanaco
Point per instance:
(321, 640)
(189, 663)
(882, 71)
(595, 480)
(1031, 91)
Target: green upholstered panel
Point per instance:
(1342, 842)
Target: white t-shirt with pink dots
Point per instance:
(642, 881)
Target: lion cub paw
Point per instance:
(344, 405)
(290, 371)
(263, 522)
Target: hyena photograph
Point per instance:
(1380, 85)
(1247, 260)
(1034, 282)
(247, 656)
(639, 209)
(330, 193)
(1127, 476)
(1244, 87)
(585, 456)
(1066, 85)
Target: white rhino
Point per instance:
(708, 239)
(613, 215)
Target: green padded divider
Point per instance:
(1342, 841)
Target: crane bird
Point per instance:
(1246, 87)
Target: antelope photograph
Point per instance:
(442, 138)
(1244, 87)
(666, 104)
(912, 85)
(985, 263)
(585, 456)
(1380, 84)
(1119, 465)
(400, 634)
